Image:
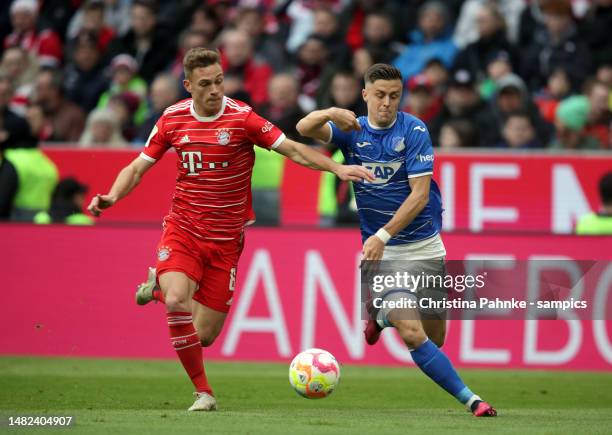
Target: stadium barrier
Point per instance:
(70, 291)
(481, 190)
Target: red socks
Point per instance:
(159, 296)
(185, 341)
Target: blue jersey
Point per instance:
(394, 155)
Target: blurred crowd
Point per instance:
(480, 73)
(514, 74)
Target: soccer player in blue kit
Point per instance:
(400, 214)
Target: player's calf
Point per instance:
(410, 330)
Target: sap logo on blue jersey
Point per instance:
(425, 158)
(382, 171)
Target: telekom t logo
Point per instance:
(193, 161)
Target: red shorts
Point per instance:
(210, 263)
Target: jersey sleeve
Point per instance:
(338, 137)
(262, 132)
(419, 155)
(157, 143)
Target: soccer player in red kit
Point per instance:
(202, 239)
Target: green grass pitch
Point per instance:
(144, 396)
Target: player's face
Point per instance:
(205, 84)
(383, 98)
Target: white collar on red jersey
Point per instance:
(208, 118)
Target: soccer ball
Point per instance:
(314, 373)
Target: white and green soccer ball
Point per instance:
(314, 373)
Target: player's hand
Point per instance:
(345, 120)
(99, 203)
(354, 173)
(373, 249)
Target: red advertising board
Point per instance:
(481, 191)
(69, 291)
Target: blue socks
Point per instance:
(435, 364)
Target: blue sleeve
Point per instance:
(339, 138)
(419, 156)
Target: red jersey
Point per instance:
(215, 161)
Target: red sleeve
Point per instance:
(157, 143)
(262, 132)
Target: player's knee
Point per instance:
(177, 301)
(411, 332)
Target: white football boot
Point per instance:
(204, 402)
(144, 291)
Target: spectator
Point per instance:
(204, 20)
(345, 93)
(251, 21)
(431, 40)
(14, 130)
(571, 120)
(64, 120)
(518, 132)
(189, 39)
(497, 66)
(491, 40)
(462, 102)
(124, 107)
(21, 68)
(27, 176)
(598, 23)
(150, 44)
(600, 116)
(327, 28)
(556, 46)
(124, 79)
(117, 15)
(378, 36)
(84, 77)
(604, 74)
(557, 88)
(512, 96)
(312, 59)
(67, 203)
(437, 74)
(467, 26)
(599, 223)
(233, 83)
(531, 23)
(91, 19)
(283, 109)
(237, 58)
(422, 100)
(102, 129)
(363, 59)
(163, 93)
(358, 10)
(44, 44)
(458, 133)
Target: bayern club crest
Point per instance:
(223, 137)
(163, 253)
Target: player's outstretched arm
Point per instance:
(128, 178)
(306, 156)
(314, 125)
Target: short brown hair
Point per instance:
(382, 71)
(200, 57)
